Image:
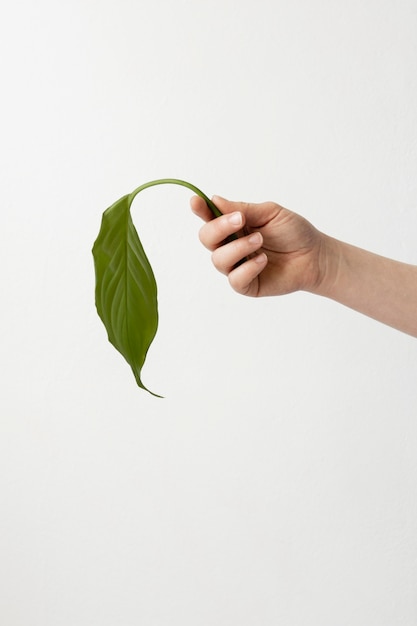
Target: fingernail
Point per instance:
(235, 219)
(260, 258)
(255, 238)
(217, 199)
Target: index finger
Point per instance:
(200, 208)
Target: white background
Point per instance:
(276, 482)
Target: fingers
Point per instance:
(243, 279)
(226, 257)
(200, 208)
(255, 215)
(215, 232)
(226, 254)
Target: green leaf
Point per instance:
(126, 291)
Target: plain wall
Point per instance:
(276, 481)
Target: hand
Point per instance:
(283, 250)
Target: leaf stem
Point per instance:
(176, 181)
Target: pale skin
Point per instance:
(282, 253)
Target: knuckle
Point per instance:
(215, 259)
(202, 235)
(241, 280)
(236, 283)
(214, 232)
(218, 260)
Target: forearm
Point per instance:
(381, 288)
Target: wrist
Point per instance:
(329, 262)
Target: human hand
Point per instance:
(283, 251)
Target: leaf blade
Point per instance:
(126, 291)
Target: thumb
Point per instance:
(256, 215)
(227, 206)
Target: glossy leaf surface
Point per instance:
(126, 291)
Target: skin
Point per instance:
(285, 253)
